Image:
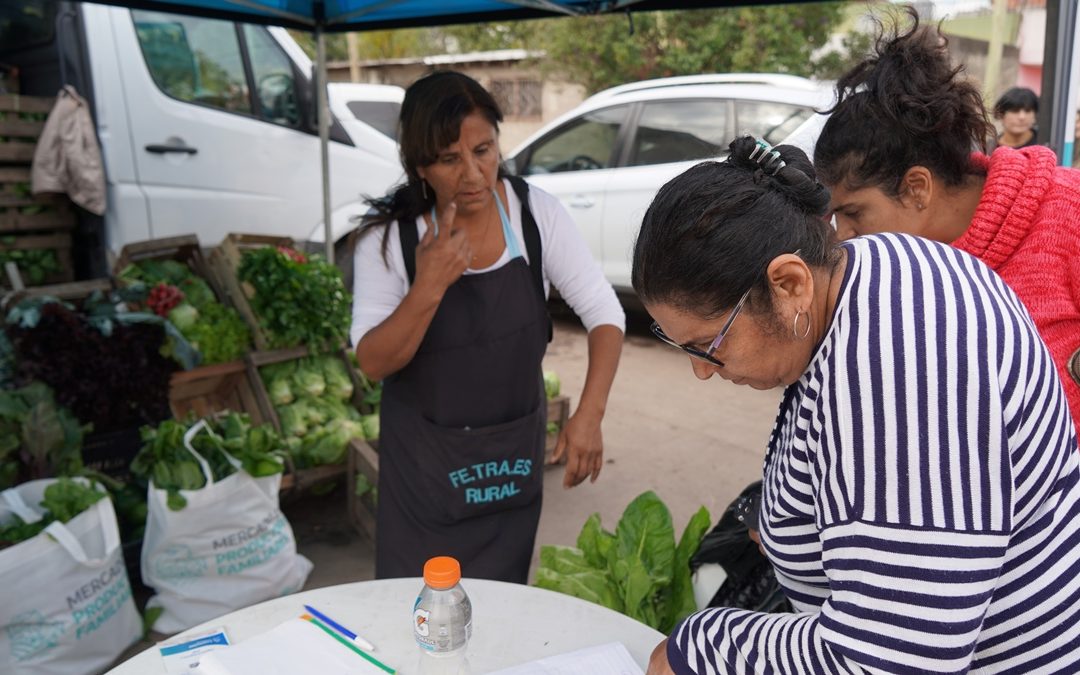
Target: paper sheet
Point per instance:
(181, 657)
(296, 646)
(609, 659)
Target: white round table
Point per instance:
(512, 623)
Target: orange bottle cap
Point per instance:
(442, 572)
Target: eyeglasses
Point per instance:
(706, 355)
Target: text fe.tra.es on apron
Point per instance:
(462, 427)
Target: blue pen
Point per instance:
(341, 629)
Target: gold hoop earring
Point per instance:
(795, 325)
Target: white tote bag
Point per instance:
(230, 547)
(67, 605)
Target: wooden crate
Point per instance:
(217, 388)
(184, 249)
(59, 242)
(363, 459)
(76, 290)
(22, 212)
(225, 263)
(23, 120)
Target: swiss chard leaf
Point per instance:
(595, 542)
(638, 570)
(681, 599)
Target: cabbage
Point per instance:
(184, 316)
(329, 445)
(338, 383)
(280, 393)
(371, 427)
(308, 379)
(551, 384)
(317, 412)
(293, 419)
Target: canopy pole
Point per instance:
(324, 137)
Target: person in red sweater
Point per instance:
(896, 154)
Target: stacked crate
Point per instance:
(35, 231)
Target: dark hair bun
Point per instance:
(787, 170)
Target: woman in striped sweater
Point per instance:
(921, 496)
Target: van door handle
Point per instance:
(581, 202)
(173, 145)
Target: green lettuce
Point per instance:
(637, 570)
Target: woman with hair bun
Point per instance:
(921, 491)
(897, 155)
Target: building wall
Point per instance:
(971, 53)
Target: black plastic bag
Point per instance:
(750, 583)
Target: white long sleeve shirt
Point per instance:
(379, 286)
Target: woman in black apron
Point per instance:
(463, 419)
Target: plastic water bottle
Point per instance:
(442, 619)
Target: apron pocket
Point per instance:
(453, 474)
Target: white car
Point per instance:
(606, 159)
(369, 113)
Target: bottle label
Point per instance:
(444, 632)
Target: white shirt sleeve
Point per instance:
(380, 284)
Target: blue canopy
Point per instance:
(359, 15)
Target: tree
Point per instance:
(600, 51)
(376, 44)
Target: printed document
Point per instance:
(608, 659)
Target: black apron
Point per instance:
(462, 427)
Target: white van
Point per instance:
(206, 126)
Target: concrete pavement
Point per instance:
(692, 442)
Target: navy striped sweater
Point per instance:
(921, 498)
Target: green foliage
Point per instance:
(35, 264)
(299, 301)
(62, 501)
(376, 44)
(598, 51)
(227, 444)
(215, 331)
(833, 64)
(637, 570)
(38, 437)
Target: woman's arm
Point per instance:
(569, 265)
(581, 439)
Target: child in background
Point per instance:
(1017, 109)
